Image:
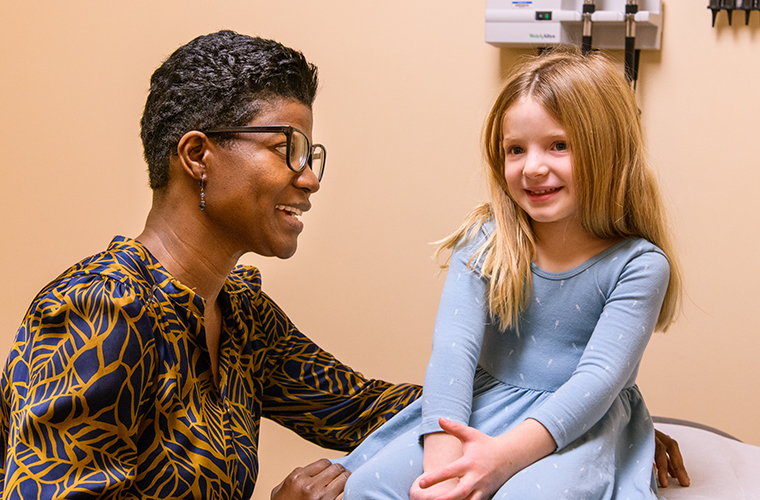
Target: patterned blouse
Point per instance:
(108, 391)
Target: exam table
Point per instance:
(720, 466)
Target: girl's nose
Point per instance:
(534, 165)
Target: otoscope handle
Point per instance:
(729, 6)
(748, 6)
(586, 45)
(630, 58)
(631, 8)
(588, 8)
(715, 8)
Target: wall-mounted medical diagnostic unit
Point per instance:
(542, 23)
(629, 25)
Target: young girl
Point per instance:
(553, 291)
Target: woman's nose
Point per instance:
(307, 179)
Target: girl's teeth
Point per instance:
(544, 191)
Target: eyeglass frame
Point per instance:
(273, 129)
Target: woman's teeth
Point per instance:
(291, 210)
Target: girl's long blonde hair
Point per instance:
(617, 191)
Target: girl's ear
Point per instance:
(192, 151)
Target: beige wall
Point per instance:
(405, 87)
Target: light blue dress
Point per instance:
(570, 364)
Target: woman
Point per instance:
(144, 371)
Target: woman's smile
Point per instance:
(292, 216)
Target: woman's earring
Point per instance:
(202, 183)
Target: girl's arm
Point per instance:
(441, 448)
(457, 339)
(611, 358)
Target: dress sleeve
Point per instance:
(611, 358)
(457, 339)
(74, 388)
(322, 400)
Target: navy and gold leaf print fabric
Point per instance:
(108, 391)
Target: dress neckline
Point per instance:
(580, 267)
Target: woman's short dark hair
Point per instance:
(217, 80)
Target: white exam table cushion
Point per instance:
(720, 468)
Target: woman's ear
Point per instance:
(192, 150)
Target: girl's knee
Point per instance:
(359, 481)
(372, 481)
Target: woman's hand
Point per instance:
(488, 462)
(320, 480)
(668, 460)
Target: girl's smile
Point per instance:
(542, 194)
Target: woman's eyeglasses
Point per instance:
(299, 151)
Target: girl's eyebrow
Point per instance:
(552, 135)
(557, 133)
(508, 140)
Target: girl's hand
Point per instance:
(478, 474)
(441, 449)
(433, 492)
(488, 462)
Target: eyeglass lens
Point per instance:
(318, 160)
(301, 152)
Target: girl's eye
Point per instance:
(515, 150)
(561, 146)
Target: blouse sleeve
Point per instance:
(457, 339)
(310, 392)
(73, 389)
(611, 358)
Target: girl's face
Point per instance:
(538, 163)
